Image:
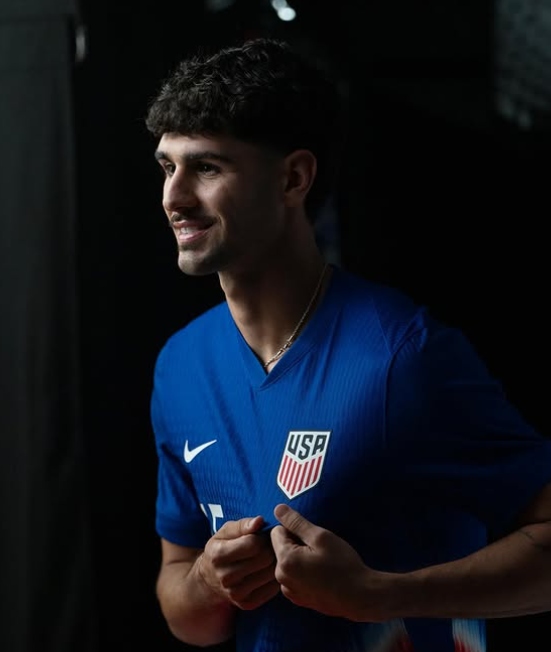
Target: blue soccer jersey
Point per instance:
(379, 423)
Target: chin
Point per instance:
(196, 268)
(202, 264)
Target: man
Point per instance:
(337, 470)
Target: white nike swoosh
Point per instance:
(191, 454)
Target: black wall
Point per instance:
(439, 197)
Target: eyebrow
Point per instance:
(194, 156)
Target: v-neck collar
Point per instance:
(312, 332)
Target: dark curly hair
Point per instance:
(262, 92)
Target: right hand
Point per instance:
(238, 564)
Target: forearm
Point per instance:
(194, 613)
(511, 577)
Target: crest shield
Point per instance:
(302, 461)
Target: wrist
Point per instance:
(381, 598)
(208, 590)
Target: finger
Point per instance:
(224, 552)
(295, 523)
(281, 538)
(251, 580)
(258, 596)
(235, 529)
(233, 572)
(241, 586)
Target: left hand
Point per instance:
(318, 569)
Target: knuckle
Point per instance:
(283, 571)
(227, 580)
(321, 538)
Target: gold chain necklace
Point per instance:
(293, 335)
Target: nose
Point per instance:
(178, 193)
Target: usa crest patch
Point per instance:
(302, 461)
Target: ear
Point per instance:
(300, 172)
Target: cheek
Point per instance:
(257, 206)
(266, 198)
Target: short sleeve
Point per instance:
(179, 517)
(456, 437)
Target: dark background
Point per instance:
(443, 195)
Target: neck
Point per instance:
(274, 304)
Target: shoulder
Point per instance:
(382, 311)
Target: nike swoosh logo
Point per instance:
(191, 454)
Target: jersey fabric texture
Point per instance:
(380, 423)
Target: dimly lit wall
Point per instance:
(439, 197)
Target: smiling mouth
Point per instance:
(187, 234)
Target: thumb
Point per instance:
(294, 522)
(235, 529)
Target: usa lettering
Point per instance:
(304, 445)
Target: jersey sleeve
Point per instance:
(178, 516)
(456, 436)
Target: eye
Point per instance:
(167, 169)
(207, 169)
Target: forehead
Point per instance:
(179, 146)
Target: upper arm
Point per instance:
(538, 510)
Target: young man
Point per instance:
(337, 470)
